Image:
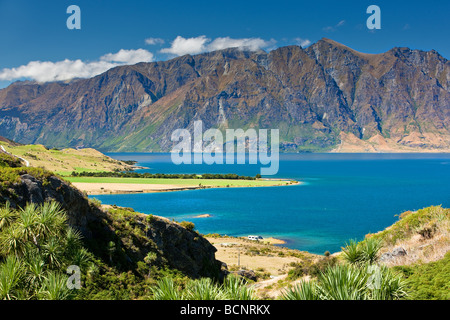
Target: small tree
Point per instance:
(150, 259)
(111, 250)
(149, 219)
(188, 225)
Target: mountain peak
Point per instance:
(311, 94)
(346, 48)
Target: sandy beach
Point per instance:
(206, 215)
(255, 254)
(98, 188)
(116, 188)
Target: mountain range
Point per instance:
(327, 97)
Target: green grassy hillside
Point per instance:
(65, 161)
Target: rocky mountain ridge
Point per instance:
(320, 98)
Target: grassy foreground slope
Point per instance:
(423, 239)
(428, 281)
(424, 235)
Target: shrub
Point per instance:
(235, 289)
(305, 290)
(150, 218)
(352, 252)
(95, 202)
(30, 155)
(188, 225)
(429, 281)
(36, 243)
(7, 160)
(204, 289)
(351, 282)
(370, 248)
(308, 267)
(423, 221)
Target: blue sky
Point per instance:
(114, 32)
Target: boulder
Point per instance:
(397, 252)
(249, 274)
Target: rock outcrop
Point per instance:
(183, 249)
(178, 247)
(389, 256)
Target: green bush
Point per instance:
(95, 202)
(308, 267)
(10, 175)
(233, 288)
(9, 161)
(429, 281)
(36, 247)
(305, 290)
(363, 252)
(188, 225)
(352, 252)
(351, 282)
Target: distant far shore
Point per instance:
(101, 186)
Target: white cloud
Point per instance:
(45, 71)
(334, 28)
(152, 41)
(253, 44)
(181, 46)
(302, 42)
(55, 71)
(129, 56)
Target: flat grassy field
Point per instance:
(181, 182)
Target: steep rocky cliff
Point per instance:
(316, 97)
(175, 246)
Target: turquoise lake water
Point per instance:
(344, 196)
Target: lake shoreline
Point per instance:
(93, 188)
(341, 197)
